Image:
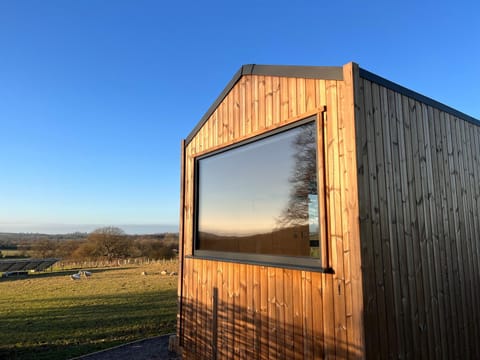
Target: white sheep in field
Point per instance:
(75, 277)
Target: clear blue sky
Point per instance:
(95, 96)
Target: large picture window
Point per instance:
(258, 200)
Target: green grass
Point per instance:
(50, 316)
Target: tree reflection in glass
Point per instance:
(301, 210)
(261, 197)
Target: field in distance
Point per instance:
(50, 316)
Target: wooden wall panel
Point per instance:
(234, 310)
(418, 180)
(257, 104)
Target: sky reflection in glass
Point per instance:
(267, 187)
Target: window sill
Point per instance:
(284, 262)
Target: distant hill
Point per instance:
(16, 240)
(20, 237)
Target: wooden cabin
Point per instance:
(327, 212)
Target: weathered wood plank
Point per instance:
(457, 173)
(238, 330)
(186, 309)
(321, 93)
(310, 103)
(230, 116)
(202, 319)
(276, 101)
(441, 223)
(272, 314)
(223, 123)
(255, 104)
(230, 306)
(222, 283)
(417, 224)
(452, 320)
(268, 101)
(288, 305)
(279, 305)
(459, 232)
(408, 198)
(248, 105)
(467, 130)
(256, 288)
(434, 208)
(261, 103)
(373, 111)
(400, 184)
(335, 227)
(235, 95)
(475, 178)
(243, 106)
(195, 299)
(317, 316)
(244, 306)
(433, 329)
(351, 110)
(264, 313)
(301, 96)
(284, 100)
(307, 323)
(364, 203)
(383, 162)
(298, 335)
(396, 225)
(423, 229)
(207, 287)
(292, 97)
(349, 199)
(215, 128)
(188, 211)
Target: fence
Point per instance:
(70, 264)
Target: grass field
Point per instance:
(50, 316)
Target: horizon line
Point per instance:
(61, 229)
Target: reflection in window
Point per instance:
(261, 197)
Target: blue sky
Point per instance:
(95, 96)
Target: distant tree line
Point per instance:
(107, 243)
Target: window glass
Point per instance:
(261, 197)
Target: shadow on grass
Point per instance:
(54, 351)
(86, 324)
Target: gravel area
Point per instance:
(155, 348)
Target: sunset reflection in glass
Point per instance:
(261, 197)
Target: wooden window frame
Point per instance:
(295, 262)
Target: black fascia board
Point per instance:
(308, 72)
(367, 75)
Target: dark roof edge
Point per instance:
(309, 72)
(367, 75)
(215, 104)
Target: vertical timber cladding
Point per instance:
(419, 198)
(234, 310)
